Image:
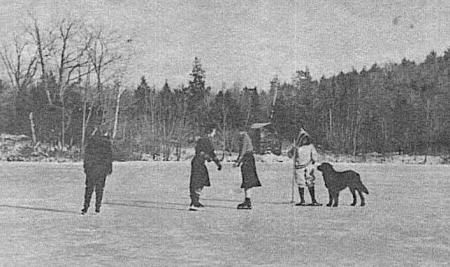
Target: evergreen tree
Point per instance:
(142, 99)
(197, 97)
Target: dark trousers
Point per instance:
(94, 181)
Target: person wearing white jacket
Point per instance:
(305, 156)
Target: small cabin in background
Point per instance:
(265, 139)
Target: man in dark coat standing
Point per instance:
(97, 165)
(204, 151)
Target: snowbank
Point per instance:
(20, 148)
(325, 156)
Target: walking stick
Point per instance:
(293, 173)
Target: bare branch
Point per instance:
(19, 75)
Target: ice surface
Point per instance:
(145, 221)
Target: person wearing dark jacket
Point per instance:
(248, 168)
(204, 151)
(97, 165)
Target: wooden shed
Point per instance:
(265, 138)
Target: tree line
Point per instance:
(64, 80)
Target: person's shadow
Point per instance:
(238, 201)
(149, 204)
(37, 208)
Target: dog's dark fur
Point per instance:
(337, 181)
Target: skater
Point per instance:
(248, 168)
(204, 151)
(305, 155)
(97, 165)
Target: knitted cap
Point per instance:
(301, 135)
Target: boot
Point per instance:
(246, 205)
(195, 203)
(301, 192)
(313, 197)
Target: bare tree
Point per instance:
(75, 54)
(121, 90)
(107, 57)
(70, 53)
(43, 45)
(20, 66)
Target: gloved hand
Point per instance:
(219, 166)
(206, 156)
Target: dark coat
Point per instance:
(204, 151)
(98, 156)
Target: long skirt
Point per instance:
(248, 170)
(199, 173)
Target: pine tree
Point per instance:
(141, 96)
(197, 97)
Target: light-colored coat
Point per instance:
(245, 147)
(305, 158)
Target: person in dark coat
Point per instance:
(204, 151)
(97, 165)
(248, 168)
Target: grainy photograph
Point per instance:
(225, 133)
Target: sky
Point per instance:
(249, 42)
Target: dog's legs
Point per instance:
(361, 195)
(352, 190)
(335, 196)
(330, 197)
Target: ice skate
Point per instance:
(196, 207)
(83, 211)
(301, 203)
(246, 205)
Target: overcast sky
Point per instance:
(251, 41)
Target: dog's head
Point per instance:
(325, 167)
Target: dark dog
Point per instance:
(337, 181)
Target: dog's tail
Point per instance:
(362, 187)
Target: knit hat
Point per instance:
(301, 135)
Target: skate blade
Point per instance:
(195, 209)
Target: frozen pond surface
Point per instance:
(145, 221)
